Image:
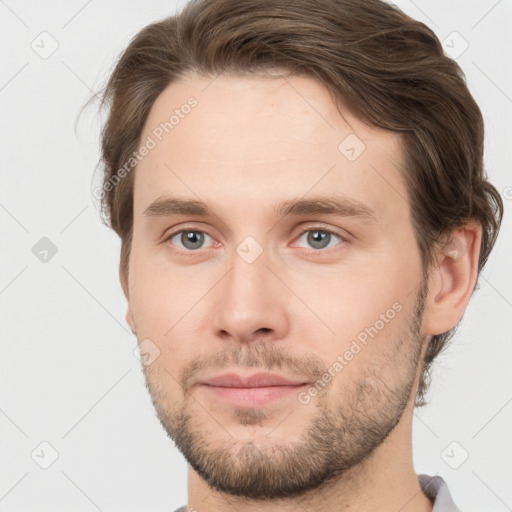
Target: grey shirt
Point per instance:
(433, 486)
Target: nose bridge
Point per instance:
(250, 300)
(249, 280)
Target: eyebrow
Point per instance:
(330, 205)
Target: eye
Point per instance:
(190, 240)
(319, 238)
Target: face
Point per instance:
(272, 234)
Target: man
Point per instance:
(303, 211)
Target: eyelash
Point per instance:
(343, 240)
(191, 252)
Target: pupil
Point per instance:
(192, 239)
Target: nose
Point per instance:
(251, 303)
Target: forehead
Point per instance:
(250, 137)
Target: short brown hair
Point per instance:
(389, 68)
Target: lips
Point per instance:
(257, 380)
(257, 390)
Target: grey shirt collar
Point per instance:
(437, 490)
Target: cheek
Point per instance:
(349, 297)
(155, 296)
(167, 301)
(361, 311)
(163, 306)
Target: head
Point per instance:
(291, 182)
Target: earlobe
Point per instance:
(124, 285)
(124, 281)
(452, 282)
(129, 320)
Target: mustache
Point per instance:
(262, 357)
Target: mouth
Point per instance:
(252, 397)
(252, 391)
(256, 380)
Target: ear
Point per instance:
(123, 278)
(452, 281)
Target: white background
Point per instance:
(68, 375)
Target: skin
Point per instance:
(252, 142)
